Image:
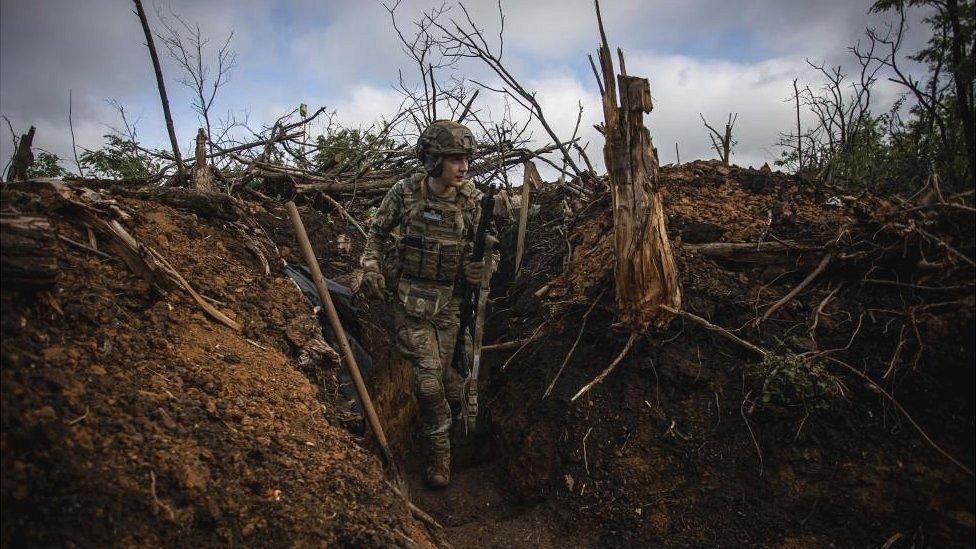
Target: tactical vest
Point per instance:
(432, 247)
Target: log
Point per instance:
(749, 253)
(205, 204)
(645, 273)
(29, 251)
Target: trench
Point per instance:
(482, 506)
(478, 508)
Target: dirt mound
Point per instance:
(137, 417)
(694, 441)
(133, 418)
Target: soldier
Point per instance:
(437, 212)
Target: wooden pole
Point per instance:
(529, 178)
(346, 350)
(162, 87)
(799, 136)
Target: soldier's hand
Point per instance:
(374, 284)
(474, 272)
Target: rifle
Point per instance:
(473, 299)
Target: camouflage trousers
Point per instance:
(429, 345)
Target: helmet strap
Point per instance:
(434, 165)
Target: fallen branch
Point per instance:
(899, 407)
(919, 287)
(527, 341)
(725, 333)
(505, 346)
(276, 138)
(135, 256)
(598, 379)
(821, 267)
(820, 308)
(86, 247)
(944, 245)
(575, 343)
(210, 309)
(345, 214)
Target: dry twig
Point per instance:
(821, 267)
(874, 385)
(598, 379)
(725, 333)
(575, 343)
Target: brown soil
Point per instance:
(689, 442)
(678, 447)
(133, 419)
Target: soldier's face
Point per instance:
(455, 169)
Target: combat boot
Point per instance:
(439, 470)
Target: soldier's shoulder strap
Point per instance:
(414, 184)
(469, 193)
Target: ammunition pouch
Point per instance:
(428, 259)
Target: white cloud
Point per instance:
(700, 56)
(367, 105)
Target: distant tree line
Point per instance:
(928, 133)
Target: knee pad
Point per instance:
(429, 389)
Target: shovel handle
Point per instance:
(347, 357)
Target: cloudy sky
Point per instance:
(701, 56)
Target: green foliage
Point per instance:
(120, 158)
(896, 154)
(345, 146)
(793, 381)
(46, 165)
(863, 161)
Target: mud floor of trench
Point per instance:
(478, 508)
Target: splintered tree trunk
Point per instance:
(23, 157)
(646, 277)
(202, 178)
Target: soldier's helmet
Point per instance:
(441, 138)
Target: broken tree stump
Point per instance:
(645, 274)
(202, 176)
(23, 157)
(29, 251)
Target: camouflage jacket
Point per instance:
(420, 241)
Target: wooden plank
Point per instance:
(530, 178)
